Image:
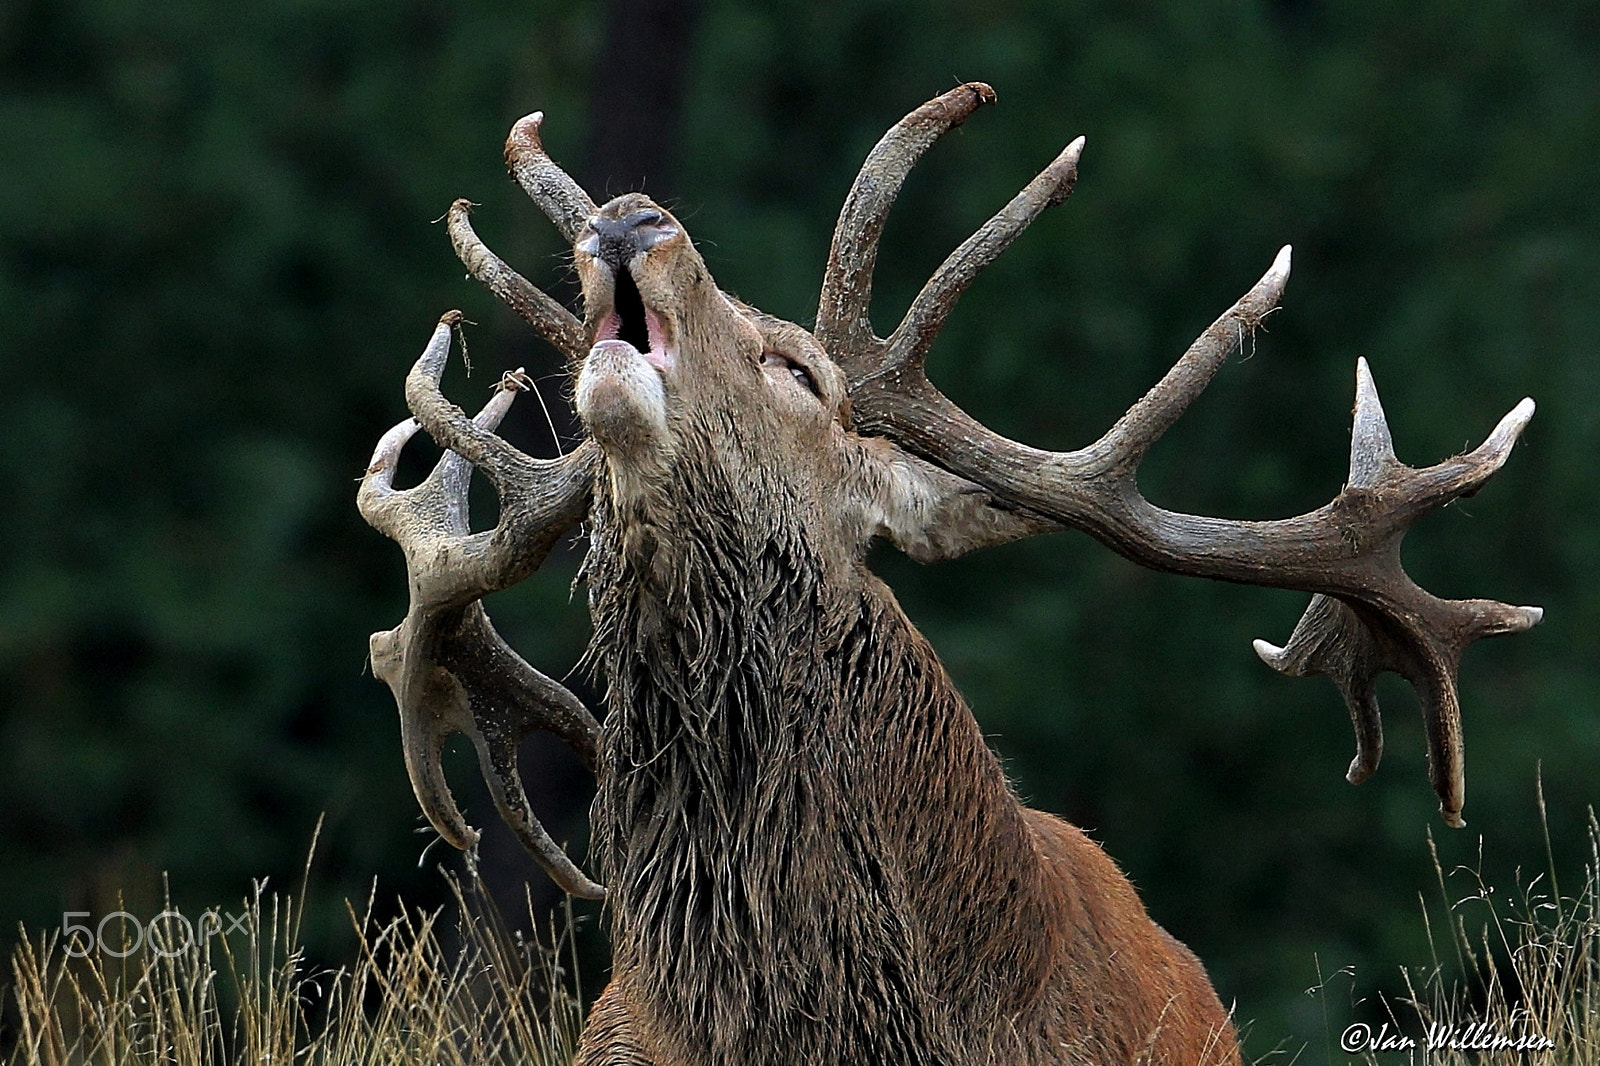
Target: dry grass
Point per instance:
(457, 987)
(1535, 966)
(447, 987)
(1531, 994)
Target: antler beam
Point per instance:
(1378, 618)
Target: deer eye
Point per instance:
(778, 359)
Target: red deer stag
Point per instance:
(811, 854)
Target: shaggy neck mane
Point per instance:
(800, 824)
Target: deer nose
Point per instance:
(615, 241)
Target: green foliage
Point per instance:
(216, 263)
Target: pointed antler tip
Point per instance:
(432, 792)
(553, 189)
(1268, 653)
(1506, 433)
(1360, 769)
(1279, 272)
(1075, 150)
(1269, 290)
(493, 412)
(387, 453)
(984, 91)
(524, 136)
(513, 381)
(1371, 443)
(1366, 387)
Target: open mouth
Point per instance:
(631, 322)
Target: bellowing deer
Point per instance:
(810, 853)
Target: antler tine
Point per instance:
(910, 341)
(552, 188)
(508, 699)
(377, 499)
(1329, 639)
(1126, 442)
(553, 322)
(843, 326)
(446, 422)
(448, 669)
(1368, 615)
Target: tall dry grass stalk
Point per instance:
(1530, 993)
(446, 987)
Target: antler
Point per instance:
(1367, 615)
(557, 195)
(553, 322)
(843, 326)
(567, 205)
(449, 670)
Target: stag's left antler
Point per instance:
(1366, 616)
(449, 670)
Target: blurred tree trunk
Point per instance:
(637, 98)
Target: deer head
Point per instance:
(693, 396)
(702, 409)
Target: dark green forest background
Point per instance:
(218, 258)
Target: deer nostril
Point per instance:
(615, 241)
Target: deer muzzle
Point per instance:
(621, 398)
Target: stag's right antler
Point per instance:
(1366, 615)
(567, 205)
(449, 670)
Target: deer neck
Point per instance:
(786, 766)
